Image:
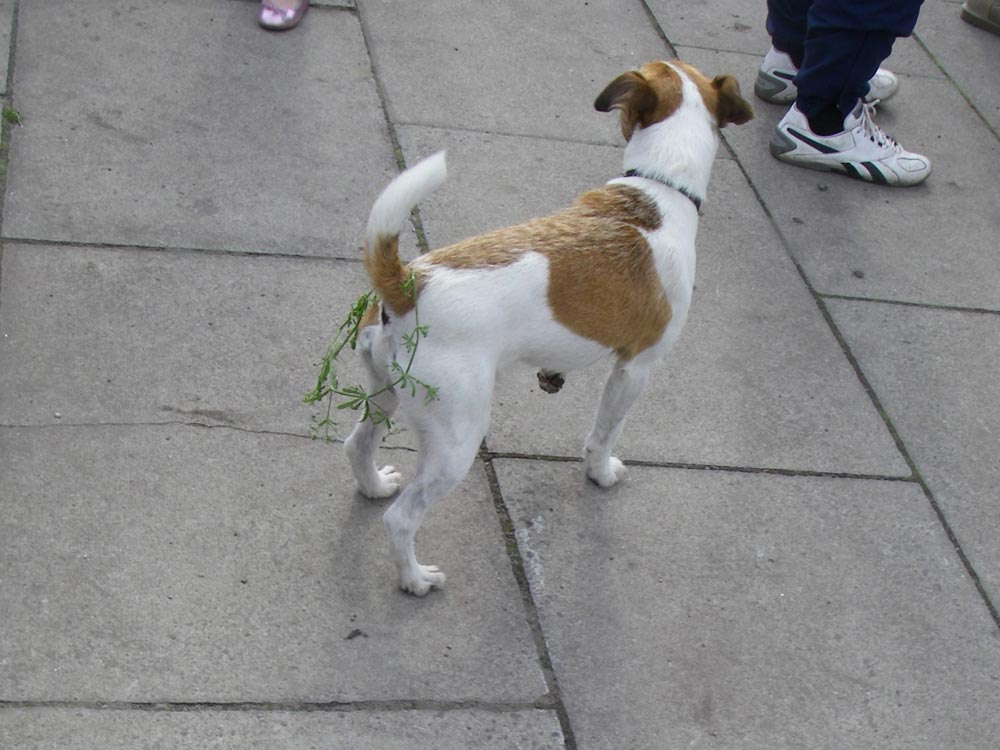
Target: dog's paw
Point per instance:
(385, 483)
(607, 475)
(420, 580)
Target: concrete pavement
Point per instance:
(803, 555)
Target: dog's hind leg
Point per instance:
(627, 381)
(433, 480)
(363, 442)
(450, 435)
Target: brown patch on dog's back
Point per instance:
(622, 203)
(603, 283)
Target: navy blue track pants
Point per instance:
(837, 46)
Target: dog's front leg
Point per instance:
(627, 381)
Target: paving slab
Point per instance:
(80, 729)
(737, 26)
(525, 69)
(232, 139)
(185, 564)
(756, 380)
(729, 610)
(93, 335)
(935, 373)
(932, 243)
(969, 54)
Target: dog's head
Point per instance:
(655, 91)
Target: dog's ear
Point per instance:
(632, 95)
(731, 107)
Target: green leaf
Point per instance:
(409, 343)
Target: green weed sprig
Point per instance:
(356, 398)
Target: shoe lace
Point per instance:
(872, 131)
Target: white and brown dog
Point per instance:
(613, 273)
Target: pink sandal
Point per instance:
(273, 18)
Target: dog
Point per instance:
(611, 274)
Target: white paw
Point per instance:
(386, 484)
(420, 580)
(609, 474)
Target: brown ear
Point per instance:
(631, 93)
(730, 107)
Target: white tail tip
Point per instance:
(410, 187)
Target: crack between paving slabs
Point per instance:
(530, 608)
(289, 706)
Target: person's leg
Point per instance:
(844, 45)
(787, 24)
(834, 74)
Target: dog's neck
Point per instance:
(695, 199)
(678, 151)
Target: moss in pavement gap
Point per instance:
(11, 115)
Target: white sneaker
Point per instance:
(774, 80)
(862, 150)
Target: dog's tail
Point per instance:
(391, 209)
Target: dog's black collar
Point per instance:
(682, 190)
